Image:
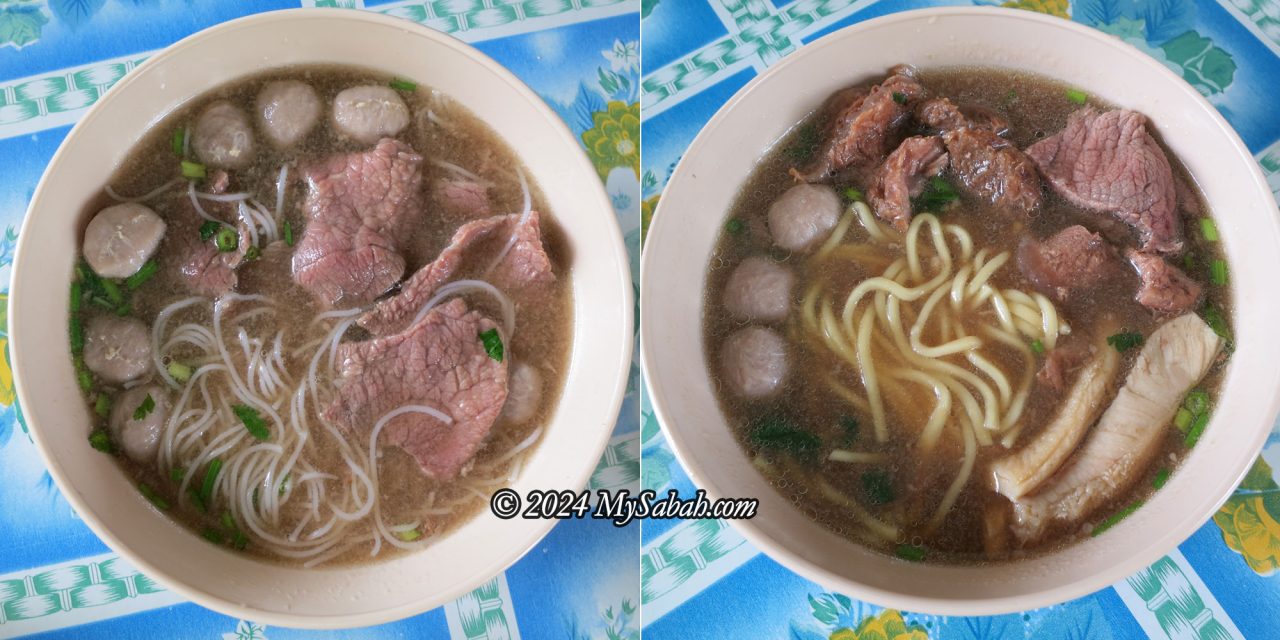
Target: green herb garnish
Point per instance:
(877, 487)
(210, 478)
(1037, 346)
(99, 439)
(83, 377)
(734, 226)
(1162, 476)
(252, 421)
(212, 535)
(76, 296)
(226, 239)
(179, 136)
(1182, 419)
(409, 535)
(1125, 341)
(153, 497)
(849, 425)
(1196, 430)
(148, 405)
(228, 522)
(193, 170)
(209, 228)
(1077, 96)
(1218, 272)
(1208, 229)
(102, 405)
(76, 333)
(176, 474)
(179, 372)
(149, 269)
(492, 344)
(776, 433)
(253, 253)
(288, 233)
(852, 195)
(1213, 317)
(899, 97)
(114, 295)
(910, 552)
(239, 541)
(1116, 517)
(403, 85)
(937, 194)
(1197, 401)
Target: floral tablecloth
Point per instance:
(56, 58)
(700, 578)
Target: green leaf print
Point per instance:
(21, 24)
(655, 473)
(647, 7)
(1207, 67)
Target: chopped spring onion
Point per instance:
(102, 302)
(899, 97)
(409, 535)
(1213, 317)
(226, 239)
(1162, 476)
(253, 422)
(77, 336)
(124, 310)
(197, 500)
(492, 344)
(102, 405)
(228, 522)
(209, 228)
(852, 195)
(1208, 229)
(1037, 346)
(1125, 341)
(114, 294)
(1182, 419)
(239, 541)
(778, 434)
(153, 497)
(212, 535)
(210, 478)
(82, 375)
(148, 405)
(179, 135)
(877, 487)
(1196, 430)
(1197, 401)
(193, 170)
(288, 233)
(403, 85)
(179, 372)
(734, 226)
(149, 269)
(850, 426)
(176, 474)
(1218, 272)
(1116, 517)
(1077, 96)
(253, 253)
(938, 193)
(910, 552)
(76, 296)
(100, 440)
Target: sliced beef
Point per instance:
(1020, 472)
(1164, 287)
(1074, 258)
(200, 266)
(944, 115)
(991, 168)
(462, 197)
(902, 177)
(440, 362)
(861, 132)
(526, 264)
(359, 205)
(1059, 363)
(1119, 448)
(1109, 162)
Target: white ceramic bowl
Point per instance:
(233, 583)
(699, 194)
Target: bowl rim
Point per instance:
(539, 528)
(775, 549)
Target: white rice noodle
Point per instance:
(463, 286)
(146, 196)
(526, 211)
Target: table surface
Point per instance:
(698, 576)
(56, 57)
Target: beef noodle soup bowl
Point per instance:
(953, 379)
(334, 279)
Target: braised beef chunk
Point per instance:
(1164, 287)
(944, 115)
(359, 206)
(1060, 362)
(862, 133)
(525, 264)
(902, 177)
(991, 168)
(1072, 259)
(1109, 162)
(439, 362)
